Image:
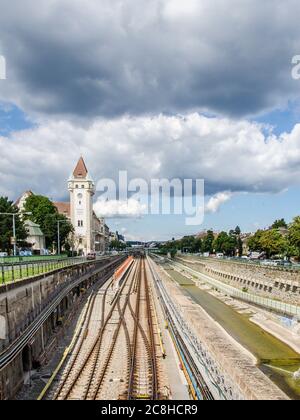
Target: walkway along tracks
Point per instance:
(195, 357)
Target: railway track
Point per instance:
(120, 349)
(77, 364)
(143, 377)
(78, 382)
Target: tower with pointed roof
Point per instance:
(82, 190)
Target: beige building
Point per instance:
(90, 232)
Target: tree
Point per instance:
(240, 246)
(281, 223)
(45, 214)
(6, 225)
(198, 245)
(294, 235)
(117, 245)
(220, 242)
(238, 231)
(188, 244)
(254, 242)
(207, 244)
(226, 243)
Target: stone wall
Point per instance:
(243, 379)
(22, 303)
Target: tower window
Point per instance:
(77, 186)
(80, 223)
(82, 186)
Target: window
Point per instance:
(82, 186)
(80, 223)
(77, 186)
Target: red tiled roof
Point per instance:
(63, 208)
(80, 171)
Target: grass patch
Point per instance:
(22, 272)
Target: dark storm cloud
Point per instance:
(111, 57)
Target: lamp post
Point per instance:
(14, 228)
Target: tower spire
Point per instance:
(81, 170)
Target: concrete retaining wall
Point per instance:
(21, 304)
(262, 281)
(237, 366)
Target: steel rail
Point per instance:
(149, 346)
(113, 344)
(86, 324)
(135, 337)
(201, 383)
(152, 338)
(9, 354)
(95, 347)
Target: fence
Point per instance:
(274, 305)
(219, 385)
(263, 264)
(33, 258)
(10, 273)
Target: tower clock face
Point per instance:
(79, 196)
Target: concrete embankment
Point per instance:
(267, 282)
(33, 311)
(232, 359)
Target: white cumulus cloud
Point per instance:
(230, 155)
(119, 208)
(215, 202)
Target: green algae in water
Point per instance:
(283, 375)
(275, 358)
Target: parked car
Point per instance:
(3, 254)
(271, 263)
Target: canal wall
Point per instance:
(263, 281)
(233, 366)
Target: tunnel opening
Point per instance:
(26, 359)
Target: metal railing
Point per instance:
(12, 272)
(25, 330)
(219, 385)
(262, 264)
(274, 305)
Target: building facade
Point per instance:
(90, 232)
(20, 203)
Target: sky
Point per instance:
(162, 89)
